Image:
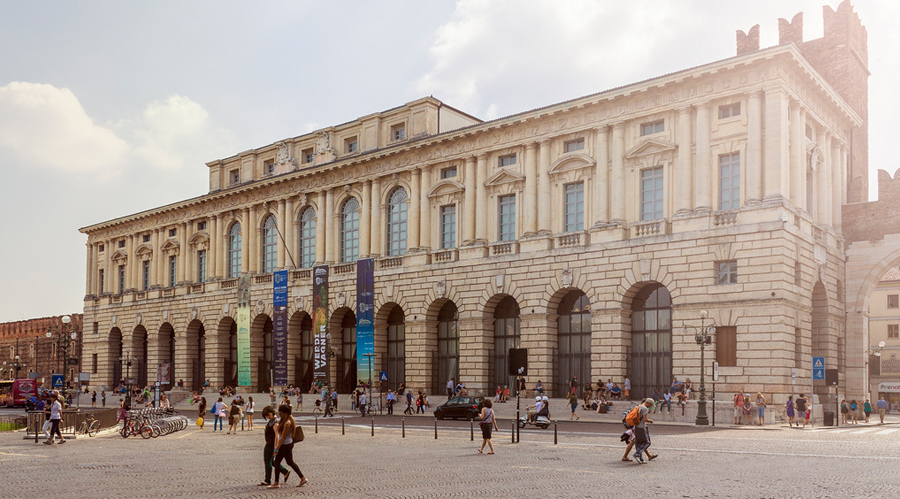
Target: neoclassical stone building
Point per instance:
(592, 232)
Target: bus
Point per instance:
(16, 392)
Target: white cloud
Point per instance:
(46, 127)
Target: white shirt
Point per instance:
(55, 410)
(450, 385)
(627, 384)
(362, 399)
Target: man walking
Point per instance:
(641, 436)
(390, 402)
(362, 404)
(882, 406)
(55, 417)
(334, 398)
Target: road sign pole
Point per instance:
(812, 395)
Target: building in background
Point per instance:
(40, 356)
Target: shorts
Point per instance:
(574, 406)
(738, 412)
(486, 430)
(761, 412)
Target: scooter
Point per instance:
(541, 421)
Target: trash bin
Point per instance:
(829, 418)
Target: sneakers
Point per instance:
(62, 440)
(639, 458)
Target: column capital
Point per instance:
(544, 142)
(701, 105)
(482, 157)
(604, 128)
(755, 93)
(685, 110)
(618, 126)
(531, 146)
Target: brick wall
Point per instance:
(36, 352)
(873, 220)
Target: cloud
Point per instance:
(46, 127)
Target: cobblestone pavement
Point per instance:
(722, 463)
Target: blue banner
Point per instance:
(279, 328)
(365, 312)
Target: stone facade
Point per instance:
(764, 257)
(37, 353)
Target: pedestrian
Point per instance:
(867, 409)
(572, 399)
(234, 417)
(573, 385)
(218, 410)
(538, 388)
(103, 398)
(420, 403)
(688, 386)
(520, 388)
(667, 399)
(801, 410)
(299, 399)
(882, 406)
(55, 417)
(760, 408)
(251, 408)
(450, 385)
(487, 423)
(854, 411)
(284, 445)
(201, 412)
(626, 387)
(845, 411)
(334, 398)
(391, 398)
(94, 399)
(748, 410)
(268, 413)
(738, 406)
(362, 404)
(789, 410)
(409, 404)
(354, 398)
(641, 435)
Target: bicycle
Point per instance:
(90, 425)
(319, 412)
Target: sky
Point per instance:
(108, 108)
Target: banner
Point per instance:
(365, 327)
(320, 324)
(279, 327)
(243, 331)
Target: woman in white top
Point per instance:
(250, 408)
(487, 422)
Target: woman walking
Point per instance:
(761, 408)
(251, 407)
(854, 411)
(845, 411)
(487, 423)
(790, 410)
(201, 412)
(284, 445)
(867, 409)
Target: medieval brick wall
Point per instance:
(37, 353)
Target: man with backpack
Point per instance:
(638, 419)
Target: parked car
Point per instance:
(460, 407)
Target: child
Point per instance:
(269, 450)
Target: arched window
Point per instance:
(350, 231)
(347, 381)
(574, 336)
(651, 340)
(396, 343)
(269, 246)
(448, 347)
(506, 336)
(308, 238)
(396, 223)
(234, 250)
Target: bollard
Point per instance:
(513, 432)
(342, 425)
(403, 425)
(317, 424)
(242, 424)
(472, 430)
(373, 426)
(435, 428)
(38, 425)
(554, 431)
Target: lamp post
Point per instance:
(126, 361)
(16, 365)
(703, 337)
(64, 338)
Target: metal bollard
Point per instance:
(242, 424)
(373, 426)
(435, 429)
(554, 432)
(317, 424)
(513, 432)
(472, 430)
(403, 425)
(342, 425)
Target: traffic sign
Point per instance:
(57, 380)
(383, 376)
(818, 368)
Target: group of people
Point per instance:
(743, 408)
(220, 411)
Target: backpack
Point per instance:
(633, 417)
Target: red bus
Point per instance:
(15, 392)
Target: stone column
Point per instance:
(413, 212)
(475, 348)
(109, 276)
(290, 240)
(837, 153)
(321, 233)
(279, 244)
(187, 261)
(754, 149)
(702, 169)
(481, 200)
(823, 177)
(601, 182)
(376, 229)
(365, 236)
(246, 229)
(798, 153)
(89, 269)
(425, 219)
(776, 150)
(253, 234)
(683, 178)
(617, 192)
(544, 219)
(539, 336)
(469, 203)
(530, 204)
(156, 242)
(330, 229)
(213, 258)
(130, 263)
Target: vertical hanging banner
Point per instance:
(243, 331)
(279, 327)
(320, 324)
(365, 327)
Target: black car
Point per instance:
(460, 407)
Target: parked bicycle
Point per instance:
(151, 423)
(90, 425)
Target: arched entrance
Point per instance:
(115, 353)
(346, 351)
(507, 334)
(196, 350)
(262, 353)
(447, 365)
(651, 340)
(396, 347)
(166, 356)
(574, 340)
(300, 329)
(140, 349)
(228, 332)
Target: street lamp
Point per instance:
(703, 337)
(64, 340)
(126, 361)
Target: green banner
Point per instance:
(243, 331)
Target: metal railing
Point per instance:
(70, 420)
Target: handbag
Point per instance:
(298, 433)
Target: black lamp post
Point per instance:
(703, 337)
(126, 361)
(65, 337)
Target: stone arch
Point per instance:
(261, 352)
(226, 339)
(300, 349)
(114, 355)
(140, 353)
(505, 332)
(391, 342)
(649, 339)
(443, 343)
(194, 353)
(570, 329)
(342, 348)
(165, 354)
(388, 188)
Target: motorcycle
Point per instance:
(541, 421)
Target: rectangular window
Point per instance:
(102, 248)
(729, 110)
(507, 219)
(398, 132)
(121, 279)
(809, 134)
(146, 238)
(269, 166)
(102, 283)
(448, 227)
(234, 176)
(652, 194)
(122, 243)
(96, 328)
(726, 272)
(651, 128)
(507, 160)
(726, 346)
(173, 232)
(351, 145)
(145, 275)
(574, 208)
(201, 266)
(893, 330)
(574, 145)
(730, 181)
(201, 225)
(94, 363)
(448, 172)
(307, 155)
(173, 268)
(893, 301)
